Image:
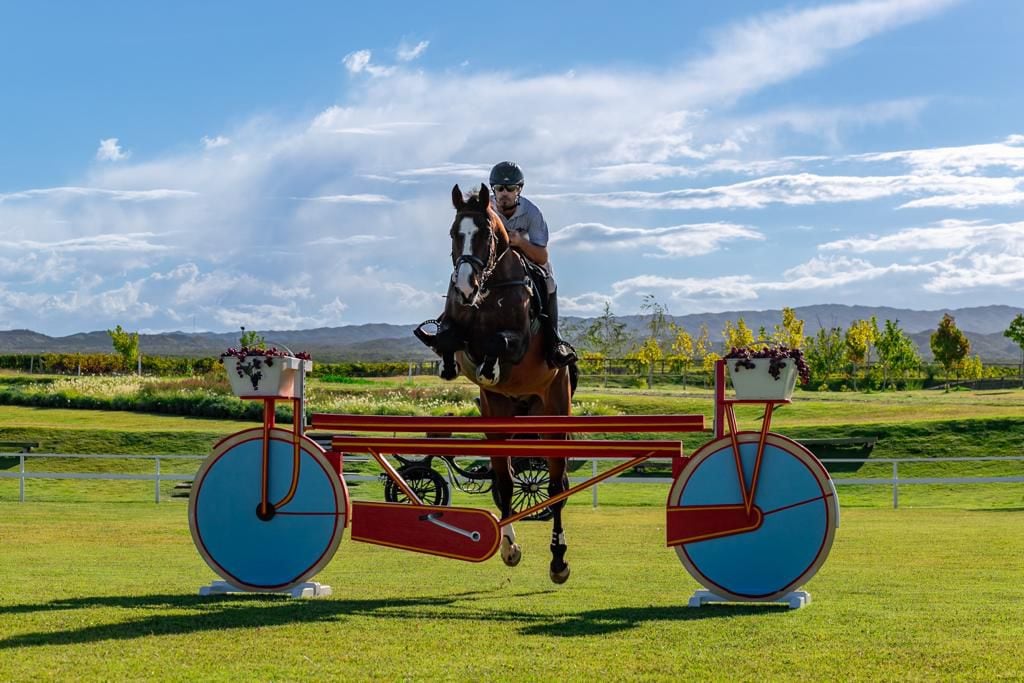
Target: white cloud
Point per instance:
(359, 61)
(350, 199)
(351, 240)
(408, 53)
(773, 47)
(138, 242)
(213, 143)
(797, 189)
(965, 159)
(66, 193)
(110, 150)
(673, 241)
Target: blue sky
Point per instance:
(208, 165)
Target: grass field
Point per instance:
(108, 592)
(96, 583)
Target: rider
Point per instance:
(528, 233)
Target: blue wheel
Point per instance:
(297, 541)
(780, 544)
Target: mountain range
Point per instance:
(983, 325)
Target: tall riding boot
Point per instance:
(560, 352)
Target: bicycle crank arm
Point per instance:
(434, 518)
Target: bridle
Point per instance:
(484, 270)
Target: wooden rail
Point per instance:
(522, 448)
(534, 424)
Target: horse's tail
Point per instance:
(574, 378)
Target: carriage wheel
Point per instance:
(290, 547)
(799, 513)
(428, 485)
(530, 479)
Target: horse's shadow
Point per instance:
(195, 614)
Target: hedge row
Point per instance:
(172, 366)
(220, 407)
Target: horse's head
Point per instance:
(479, 239)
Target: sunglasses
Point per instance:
(505, 188)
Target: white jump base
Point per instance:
(309, 589)
(793, 599)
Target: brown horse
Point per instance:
(498, 345)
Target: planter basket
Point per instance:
(756, 384)
(260, 380)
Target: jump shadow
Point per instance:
(606, 621)
(218, 613)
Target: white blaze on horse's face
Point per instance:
(464, 275)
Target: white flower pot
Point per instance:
(253, 377)
(756, 384)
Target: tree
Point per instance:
(682, 349)
(972, 368)
(791, 332)
(859, 337)
(647, 354)
(702, 348)
(825, 352)
(896, 351)
(126, 345)
(652, 348)
(737, 336)
(606, 338)
(1016, 332)
(949, 345)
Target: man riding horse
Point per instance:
(497, 332)
(527, 234)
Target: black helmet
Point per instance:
(507, 173)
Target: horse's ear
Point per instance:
(485, 197)
(457, 199)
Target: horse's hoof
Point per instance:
(511, 553)
(449, 372)
(560, 577)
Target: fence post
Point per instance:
(895, 485)
(21, 480)
(158, 479)
(593, 470)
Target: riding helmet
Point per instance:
(507, 173)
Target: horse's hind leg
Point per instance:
(559, 570)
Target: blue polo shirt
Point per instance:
(529, 220)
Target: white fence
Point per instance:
(895, 481)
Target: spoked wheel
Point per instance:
(296, 541)
(428, 485)
(776, 547)
(530, 479)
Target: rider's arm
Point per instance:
(537, 254)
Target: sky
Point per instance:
(202, 166)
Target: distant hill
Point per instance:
(983, 325)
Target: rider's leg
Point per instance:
(560, 352)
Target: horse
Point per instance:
(492, 339)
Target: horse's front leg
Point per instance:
(449, 367)
(559, 570)
(511, 553)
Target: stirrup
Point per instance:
(430, 339)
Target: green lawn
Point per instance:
(108, 592)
